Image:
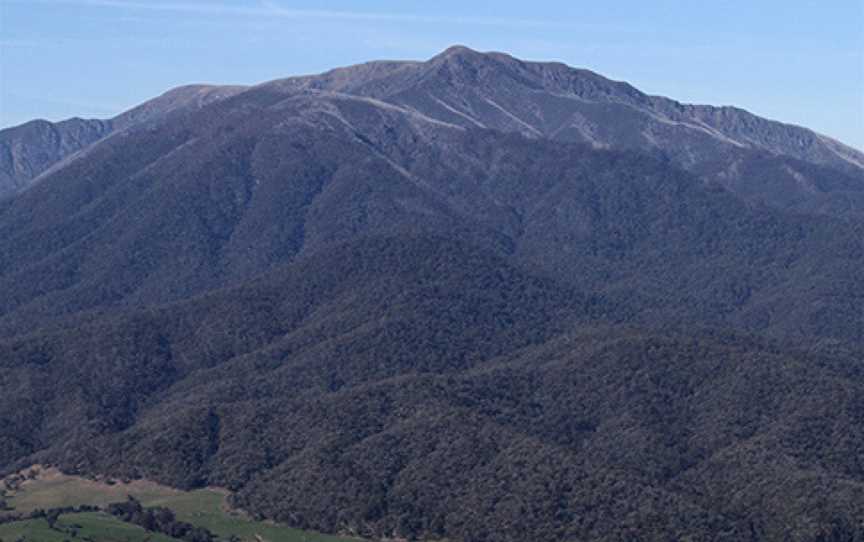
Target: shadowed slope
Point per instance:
(31, 149)
(218, 196)
(415, 386)
(758, 159)
(785, 166)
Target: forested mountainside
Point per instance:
(364, 315)
(799, 170)
(28, 150)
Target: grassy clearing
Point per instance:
(34, 529)
(109, 528)
(95, 526)
(52, 489)
(204, 508)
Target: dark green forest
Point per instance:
(362, 319)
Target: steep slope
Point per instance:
(216, 197)
(180, 99)
(28, 150)
(785, 166)
(415, 386)
(499, 91)
(406, 300)
(726, 145)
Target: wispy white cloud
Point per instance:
(269, 8)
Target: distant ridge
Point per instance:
(28, 150)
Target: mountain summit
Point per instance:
(797, 169)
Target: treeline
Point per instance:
(159, 519)
(50, 515)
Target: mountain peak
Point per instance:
(458, 52)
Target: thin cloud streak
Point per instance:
(272, 9)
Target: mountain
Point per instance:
(798, 169)
(365, 302)
(495, 90)
(265, 177)
(28, 150)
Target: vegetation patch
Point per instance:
(41, 504)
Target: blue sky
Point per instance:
(796, 61)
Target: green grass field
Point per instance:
(94, 525)
(204, 508)
(32, 531)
